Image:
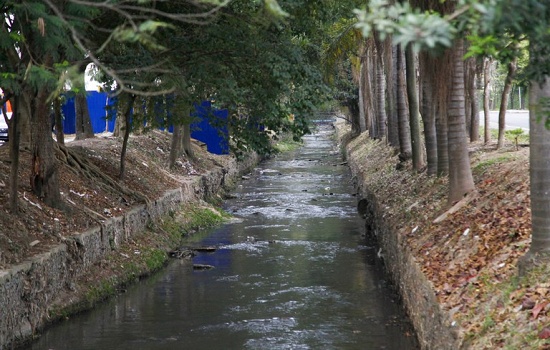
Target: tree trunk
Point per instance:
(414, 114)
(44, 179)
(176, 148)
(83, 124)
(442, 141)
(362, 116)
(428, 115)
(486, 97)
(504, 101)
(59, 134)
(474, 107)
(539, 166)
(380, 93)
(405, 146)
(14, 137)
(391, 73)
(187, 140)
(127, 130)
(461, 180)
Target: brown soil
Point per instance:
(38, 227)
(470, 256)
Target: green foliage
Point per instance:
(407, 25)
(515, 135)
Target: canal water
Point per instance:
(292, 272)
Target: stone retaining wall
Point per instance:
(432, 324)
(28, 289)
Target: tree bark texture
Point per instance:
(539, 166)
(391, 73)
(461, 180)
(44, 179)
(486, 96)
(414, 113)
(59, 134)
(380, 93)
(176, 148)
(512, 66)
(428, 117)
(83, 124)
(362, 116)
(474, 105)
(405, 146)
(187, 140)
(442, 141)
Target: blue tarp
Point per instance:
(210, 126)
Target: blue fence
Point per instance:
(210, 126)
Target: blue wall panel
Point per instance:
(69, 115)
(211, 128)
(97, 101)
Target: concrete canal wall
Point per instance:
(28, 290)
(432, 324)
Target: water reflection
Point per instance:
(294, 273)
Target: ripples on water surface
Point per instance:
(294, 273)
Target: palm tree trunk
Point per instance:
(362, 116)
(461, 180)
(486, 90)
(380, 92)
(442, 141)
(539, 164)
(405, 146)
(428, 116)
(393, 130)
(414, 114)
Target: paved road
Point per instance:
(514, 119)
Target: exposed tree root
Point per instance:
(84, 167)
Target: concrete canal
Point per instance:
(294, 272)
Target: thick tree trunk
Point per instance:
(414, 114)
(176, 148)
(512, 66)
(187, 140)
(461, 180)
(83, 124)
(473, 116)
(380, 93)
(428, 117)
(391, 91)
(486, 97)
(127, 131)
(44, 178)
(355, 114)
(362, 115)
(442, 142)
(405, 146)
(539, 166)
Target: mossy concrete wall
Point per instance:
(28, 290)
(432, 324)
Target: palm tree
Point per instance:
(461, 180)
(539, 164)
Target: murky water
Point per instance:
(294, 273)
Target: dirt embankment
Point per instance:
(55, 262)
(456, 268)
